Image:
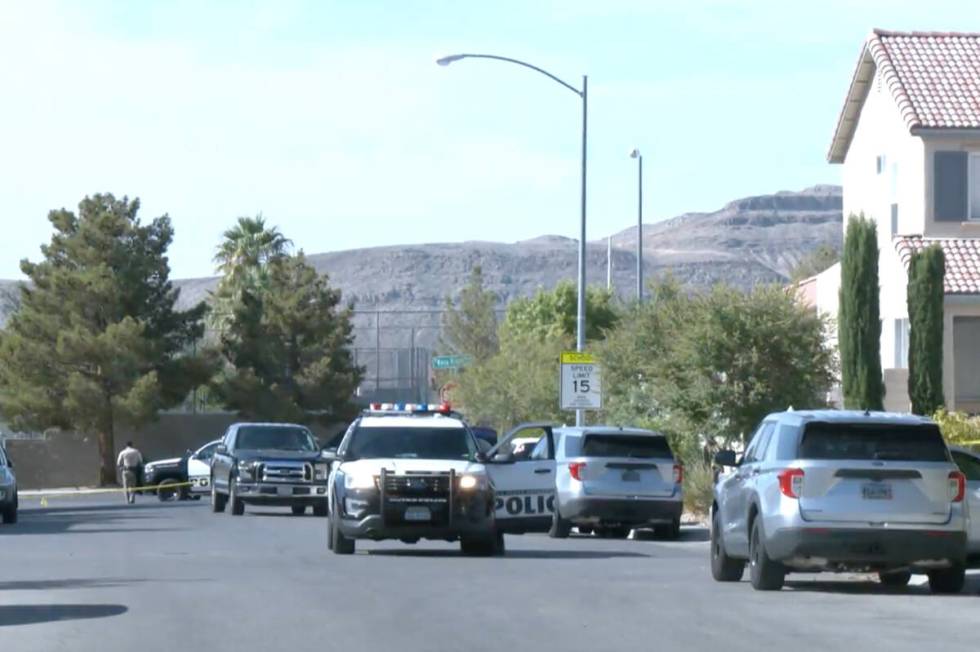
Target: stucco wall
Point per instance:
(71, 459)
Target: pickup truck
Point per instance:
(270, 464)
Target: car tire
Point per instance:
(321, 508)
(947, 580)
(485, 547)
(10, 512)
(585, 530)
(723, 567)
(166, 491)
(298, 510)
(765, 574)
(218, 500)
(895, 578)
(560, 528)
(237, 506)
(670, 531)
(340, 544)
(499, 545)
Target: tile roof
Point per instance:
(962, 260)
(934, 78)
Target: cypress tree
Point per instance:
(925, 304)
(859, 323)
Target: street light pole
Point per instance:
(584, 94)
(639, 230)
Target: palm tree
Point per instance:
(242, 259)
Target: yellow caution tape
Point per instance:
(109, 490)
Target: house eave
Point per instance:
(954, 132)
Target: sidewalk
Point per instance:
(65, 491)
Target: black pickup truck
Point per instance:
(274, 464)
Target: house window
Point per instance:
(894, 212)
(974, 186)
(901, 344)
(880, 164)
(956, 186)
(966, 363)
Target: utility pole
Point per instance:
(639, 231)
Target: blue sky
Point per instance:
(333, 120)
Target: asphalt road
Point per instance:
(97, 575)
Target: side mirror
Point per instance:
(725, 458)
(330, 454)
(221, 450)
(503, 458)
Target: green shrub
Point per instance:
(699, 482)
(958, 428)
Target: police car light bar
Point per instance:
(411, 408)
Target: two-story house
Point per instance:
(908, 138)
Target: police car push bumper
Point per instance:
(415, 505)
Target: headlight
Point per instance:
(470, 482)
(321, 471)
(360, 480)
(246, 468)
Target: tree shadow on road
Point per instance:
(31, 614)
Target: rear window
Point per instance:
(626, 446)
(847, 441)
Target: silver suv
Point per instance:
(612, 480)
(841, 491)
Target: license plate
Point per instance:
(876, 491)
(631, 476)
(418, 514)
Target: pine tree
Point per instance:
(859, 324)
(925, 305)
(96, 341)
(287, 349)
(471, 329)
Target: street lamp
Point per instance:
(639, 225)
(584, 94)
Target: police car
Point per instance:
(411, 472)
(182, 477)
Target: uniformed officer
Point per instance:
(130, 461)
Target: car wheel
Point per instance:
(484, 547)
(321, 508)
(947, 580)
(500, 546)
(237, 506)
(766, 574)
(340, 544)
(166, 491)
(723, 567)
(218, 500)
(895, 578)
(560, 528)
(10, 513)
(671, 531)
(298, 510)
(584, 529)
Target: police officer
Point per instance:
(130, 461)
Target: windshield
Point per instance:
(412, 443)
(845, 441)
(275, 437)
(646, 446)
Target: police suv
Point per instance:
(411, 472)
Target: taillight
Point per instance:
(791, 482)
(957, 486)
(575, 468)
(678, 474)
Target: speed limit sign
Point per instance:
(581, 382)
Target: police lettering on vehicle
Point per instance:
(520, 503)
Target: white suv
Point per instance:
(411, 472)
